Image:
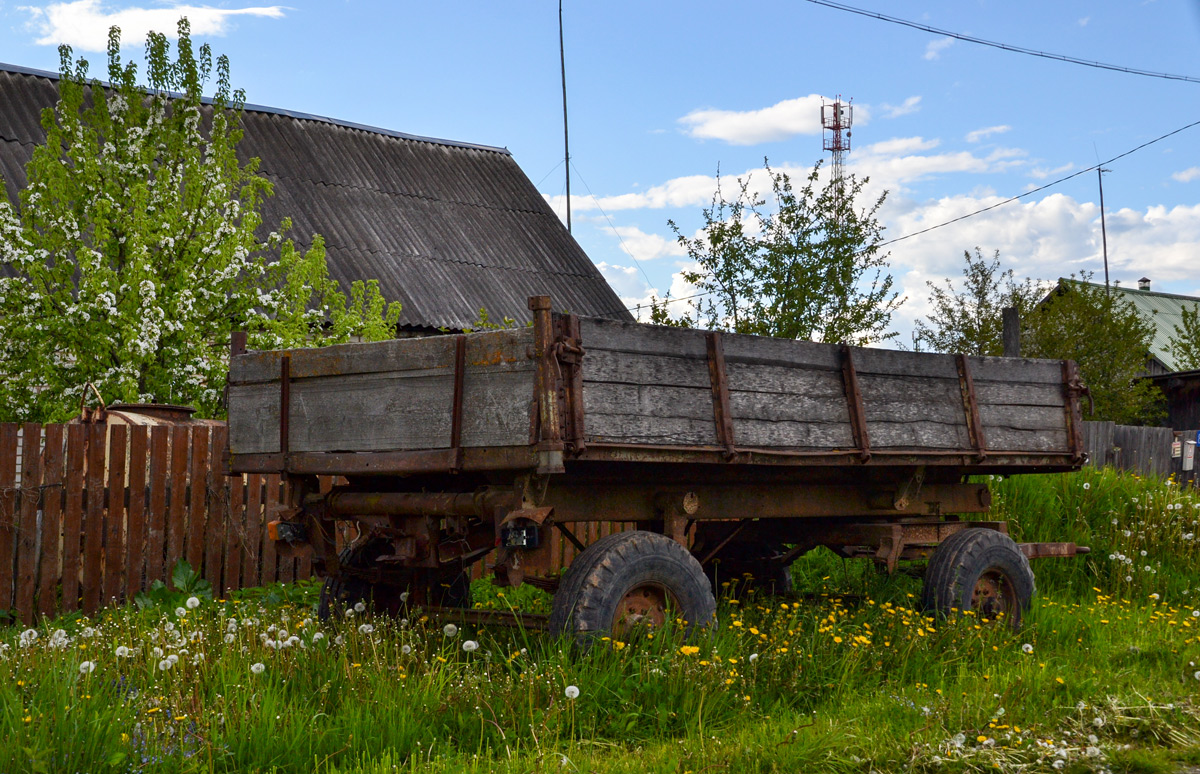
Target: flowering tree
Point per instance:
(133, 252)
(1185, 341)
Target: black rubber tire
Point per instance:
(963, 559)
(343, 592)
(587, 602)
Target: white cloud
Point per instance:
(935, 48)
(980, 134)
(1041, 173)
(645, 247)
(780, 121)
(1187, 175)
(84, 24)
(899, 145)
(690, 191)
(1084, 21)
(910, 105)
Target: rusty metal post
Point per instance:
(548, 436)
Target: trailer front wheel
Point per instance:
(981, 570)
(631, 581)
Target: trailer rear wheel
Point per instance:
(981, 570)
(630, 581)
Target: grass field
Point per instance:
(845, 676)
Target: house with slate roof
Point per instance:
(446, 227)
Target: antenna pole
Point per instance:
(1103, 230)
(562, 60)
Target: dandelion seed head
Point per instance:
(572, 692)
(365, 628)
(258, 668)
(470, 646)
(450, 630)
(1027, 648)
(193, 603)
(359, 607)
(122, 651)
(87, 667)
(165, 664)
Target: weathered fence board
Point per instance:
(135, 528)
(53, 480)
(8, 510)
(27, 532)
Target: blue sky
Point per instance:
(661, 94)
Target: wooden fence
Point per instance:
(101, 512)
(1144, 450)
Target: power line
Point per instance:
(1009, 200)
(1003, 46)
(610, 224)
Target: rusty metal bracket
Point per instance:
(547, 434)
(569, 535)
(708, 557)
(910, 490)
(568, 356)
(1052, 550)
(966, 385)
(858, 414)
(1073, 390)
(460, 356)
(722, 416)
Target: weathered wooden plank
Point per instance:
(393, 355)
(783, 380)
(235, 528)
(601, 365)
(651, 401)
(655, 431)
(114, 533)
(73, 516)
(156, 517)
(1016, 369)
(919, 435)
(766, 434)
(252, 545)
(270, 499)
(53, 483)
(798, 407)
(386, 411)
(646, 339)
(218, 511)
(1033, 418)
(1043, 440)
(892, 362)
(135, 525)
(198, 501)
(433, 352)
(785, 353)
(1019, 394)
(93, 525)
(177, 510)
(27, 528)
(8, 511)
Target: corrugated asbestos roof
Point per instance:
(445, 227)
(1164, 310)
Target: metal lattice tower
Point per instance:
(835, 121)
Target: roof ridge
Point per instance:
(255, 108)
(1134, 291)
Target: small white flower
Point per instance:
(165, 664)
(193, 603)
(572, 692)
(258, 668)
(359, 607)
(1093, 739)
(87, 667)
(1092, 752)
(470, 646)
(1128, 578)
(366, 629)
(181, 612)
(1027, 648)
(122, 651)
(450, 630)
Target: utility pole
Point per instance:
(1103, 231)
(562, 60)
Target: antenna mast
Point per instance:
(1103, 230)
(835, 121)
(562, 60)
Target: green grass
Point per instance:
(847, 677)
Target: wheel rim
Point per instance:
(994, 594)
(645, 606)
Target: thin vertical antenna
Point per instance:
(562, 60)
(1103, 230)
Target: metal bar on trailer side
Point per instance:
(966, 384)
(854, 399)
(722, 416)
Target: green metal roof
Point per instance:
(1164, 310)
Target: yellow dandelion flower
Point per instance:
(1059, 680)
(837, 640)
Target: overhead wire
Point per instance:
(1003, 46)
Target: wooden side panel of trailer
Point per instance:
(645, 385)
(385, 396)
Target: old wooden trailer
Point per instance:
(731, 454)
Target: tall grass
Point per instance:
(851, 677)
